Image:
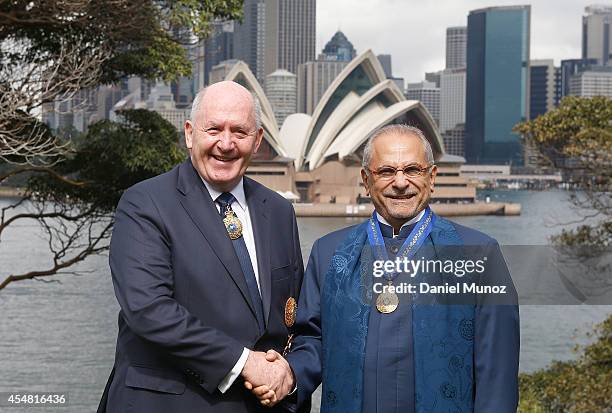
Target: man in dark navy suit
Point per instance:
(203, 261)
(388, 352)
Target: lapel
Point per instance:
(256, 199)
(200, 207)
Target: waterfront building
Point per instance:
(318, 156)
(543, 82)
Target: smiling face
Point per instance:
(399, 198)
(223, 136)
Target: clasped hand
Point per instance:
(268, 376)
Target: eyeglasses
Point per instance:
(409, 171)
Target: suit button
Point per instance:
(394, 249)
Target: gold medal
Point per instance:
(290, 312)
(387, 302)
(232, 224)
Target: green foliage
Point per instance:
(112, 157)
(561, 128)
(598, 238)
(581, 386)
(577, 138)
(139, 37)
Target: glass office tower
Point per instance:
(497, 89)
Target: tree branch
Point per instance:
(89, 250)
(43, 169)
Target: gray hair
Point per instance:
(399, 129)
(195, 106)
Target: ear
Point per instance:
(432, 180)
(258, 138)
(364, 179)
(188, 134)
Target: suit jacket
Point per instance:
(496, 331)
(185, 312)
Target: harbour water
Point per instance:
(61, 336)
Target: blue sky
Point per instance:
(413, 32)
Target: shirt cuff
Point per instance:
(231, 377)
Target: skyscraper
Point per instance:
(219, 46)
(249, 37)
(497, 89)
(338, 48)
(596, 81)
(572, 67)
(314, 77)
(433, 77)
(456, 42)
(452, 98)
(596, 34)
(542, 87)
(275, 34)
(281, 90)
(313, 80)
(385, 61)
(428, 94)
(290, 33)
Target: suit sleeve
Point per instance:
(143, 278)
(289, 404)
(496, 342)
(298, 261)
(305, 357)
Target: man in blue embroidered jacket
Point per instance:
(391, 353)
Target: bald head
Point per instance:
(223, 134)
(226, 90)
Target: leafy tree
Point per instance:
(49, 51)
(577, 138)
(74, 201)
(581, 386)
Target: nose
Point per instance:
(400, 181)
(226, 143)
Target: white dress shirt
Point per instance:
(412, 221)
(241, 209)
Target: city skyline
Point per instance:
(357, 19)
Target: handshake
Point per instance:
(268, 376)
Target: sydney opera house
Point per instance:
(316, 158)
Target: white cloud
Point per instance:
(413, 32)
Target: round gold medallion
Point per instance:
(387, 302)
(290, 312)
